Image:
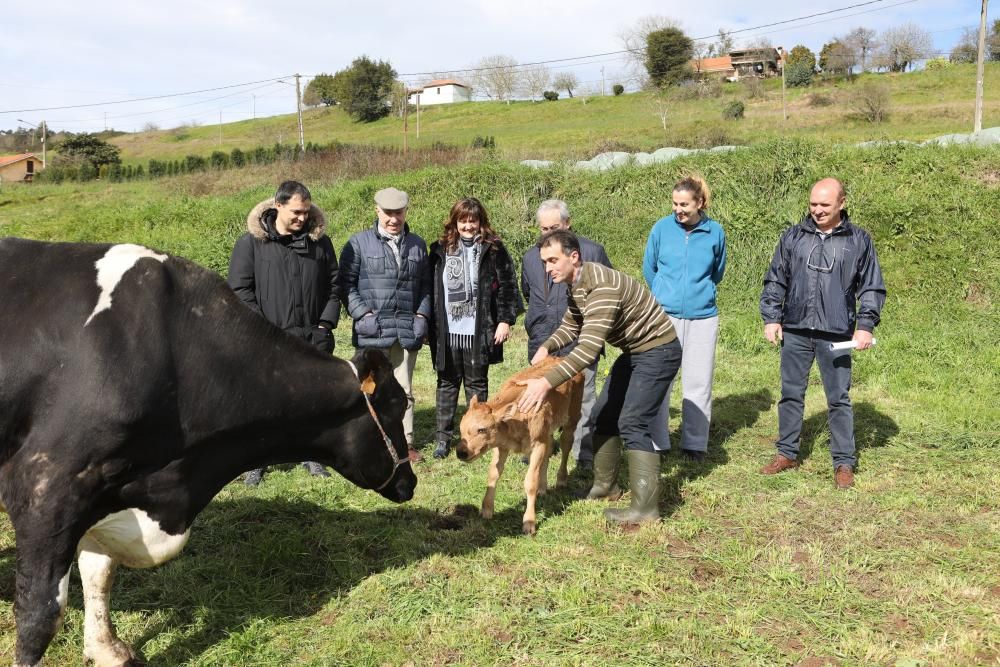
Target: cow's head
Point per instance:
(376, 446)
(479, 429)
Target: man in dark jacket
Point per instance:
(822, 269)
(285, 268)
(385, 281)
(546, 306)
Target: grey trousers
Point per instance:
(698, 339)
(403, 362)
(583, 437)
(798, 350)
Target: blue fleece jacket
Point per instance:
(683, 268)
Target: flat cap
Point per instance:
(392, 199)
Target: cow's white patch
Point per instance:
(134, 539)
(63, 596)
(110, 269)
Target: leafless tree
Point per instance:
(535, 81)
(496, 77)
(967, 49)
(661, 105)
(902, 46)
(633, 40)
(702, 50)
(724, 44)
(863, 42)
(566, 81)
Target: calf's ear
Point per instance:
(474, 402)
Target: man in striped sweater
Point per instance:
(608, 306)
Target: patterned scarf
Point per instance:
(461, 277)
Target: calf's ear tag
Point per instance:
(368, 384)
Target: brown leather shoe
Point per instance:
(779, 464)
(414, 455)
(844, 477)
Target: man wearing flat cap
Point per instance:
(386, 287)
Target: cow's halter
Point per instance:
(396, 461)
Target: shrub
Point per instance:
(799, 74)
(488, 142)
(753, 87)
(550, 95)
(618, 89)
(219, 160)
(871, 101)
(938, 63)
(820, 100)
(237, 158)
(733, 110)
(194, 163)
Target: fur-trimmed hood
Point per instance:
(316, 222)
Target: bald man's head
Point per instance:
(826, 201)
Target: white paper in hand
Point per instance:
(848, 344)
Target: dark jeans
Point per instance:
(458, 370)
(633, 392)
(797, 353)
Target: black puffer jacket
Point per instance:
(496, 301)
(815, 283)
(293, 289)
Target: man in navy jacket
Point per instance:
(822, 269)
(546, 305)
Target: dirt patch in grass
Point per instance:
(977, 295)
(817, 661)
(899, 626)
(705, 572)
(991, 177)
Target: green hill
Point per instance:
(923, 104)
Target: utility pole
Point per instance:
(44, 128)
(784, 112)
(105, 121)
(406, 116)
(977, 123)
(419, 95)
(298, 105)
(253, 107)
(602, 82)
(220, 127)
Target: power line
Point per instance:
(612, 53)
(141, 99)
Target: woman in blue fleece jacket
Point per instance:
(684, 262)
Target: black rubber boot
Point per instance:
(607, 457)
(644, 483)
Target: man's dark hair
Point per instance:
(289, 189)
(565, 239)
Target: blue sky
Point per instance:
(65, 53)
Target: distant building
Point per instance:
(19, 168)
(441, 91)
(721, 67)
(759, 62)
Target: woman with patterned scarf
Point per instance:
(475, 306)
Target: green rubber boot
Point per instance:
(607, 457)
(644, 483)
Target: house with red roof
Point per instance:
(19, 168)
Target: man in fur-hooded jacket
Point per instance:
(285, 268)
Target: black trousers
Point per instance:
(633, 392)
(458, 370)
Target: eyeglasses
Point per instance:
(822, 266)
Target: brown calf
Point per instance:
(497, 424)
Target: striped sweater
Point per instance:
(606, 306)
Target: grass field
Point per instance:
(925, 104)
(744, 570)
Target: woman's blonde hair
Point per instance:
(698, 189)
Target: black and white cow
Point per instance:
(133, 387)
